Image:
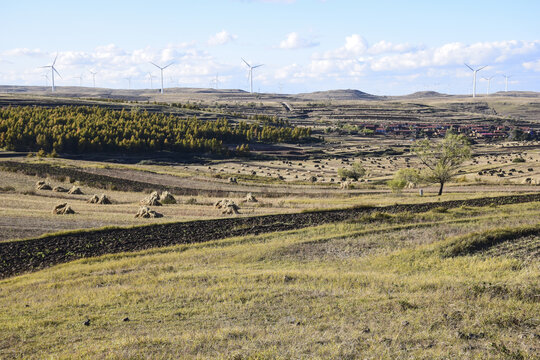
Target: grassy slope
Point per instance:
(376, 288)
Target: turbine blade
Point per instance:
(469, 67)
(482, 68)
(56, 71)
(54, 62)
(159, 67)
(245, 62)
(168, 65)
(258, 66)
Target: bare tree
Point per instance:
(442, 158)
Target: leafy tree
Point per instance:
(442, 158)
(355, 172)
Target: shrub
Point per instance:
(403, 177)
(397, 185)
(355, 172)
(518, 160)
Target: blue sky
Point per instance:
(381, 47)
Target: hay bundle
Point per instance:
(60, 189)
(250, 198)
(345, 185)
(167, 198)
(102, 200)
(94, 199)
(42, 185)
(151, 200)
(146, 213)
(75, 190)
(233, 180)
(227, 206)
(63, 209)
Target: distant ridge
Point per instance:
(423, 94)
(348, 94)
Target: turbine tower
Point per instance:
(151, 77)
(161, 69)
(93, 76)
(216, 81)
(80, 77)
(251, 74)
(474, 78)
(129, 81)
(506, 77)
(46, 79)
(489, 83)
(53, 70)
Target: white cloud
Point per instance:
(295, 41)
(221, 38)
(387, 47)
(532, 65)
(24, 52)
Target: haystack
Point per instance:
(227, 206)
(102, 200)
(151, 200)
(63, 209)
(167, 198)
(60, 189)
(94, 199)
(345, 185)
(250, 198)
(75, 190)
(146, 212)
(42, 185)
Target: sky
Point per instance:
(380, 47)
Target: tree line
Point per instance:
(84, 129)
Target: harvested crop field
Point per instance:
(33, 254)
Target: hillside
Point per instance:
(384, 286)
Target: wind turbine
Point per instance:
(93, 76)
(489, 83)
(474, 78)
(216, 81)
(46, 79)
(506, 77)
(150, 76)
(53, 70)
(80, 77)
(161, 68)
(251, 74)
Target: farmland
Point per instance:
(308, 265)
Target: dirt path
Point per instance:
(17, 257)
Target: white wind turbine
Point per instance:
(151, 77)
(216, 81)
(474, 78)
(93, 76)
(161, 69)
(489, 83)
(80, 77)
(46, 79)
(506, 77)
(53, 70)
(251, 74)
